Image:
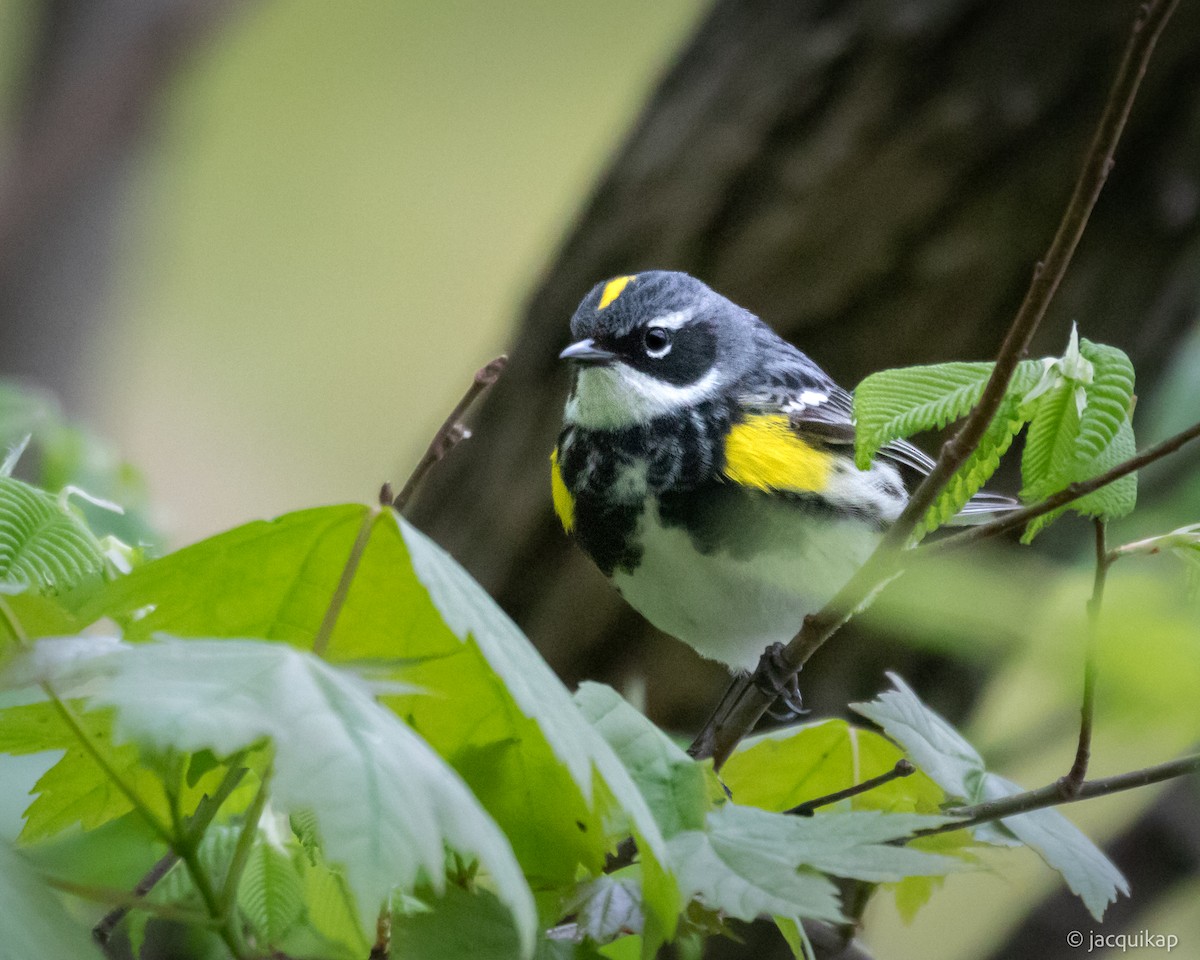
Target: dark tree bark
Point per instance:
(877, 181)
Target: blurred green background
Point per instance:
(339, 213)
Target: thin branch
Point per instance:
(1070, 784)
(206, 810)
(452, 431)
(1051, 795)
(342, 590)
(903, 768)
(1018, 518)
(747, 702)
(131, 901)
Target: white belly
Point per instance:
(730, 604)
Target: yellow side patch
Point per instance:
(564, 503)
(764, 452)
(613, 289)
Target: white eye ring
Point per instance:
(657, 341)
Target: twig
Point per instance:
(1070, 784)
(206, 810)
(903, 768)
(131, 901)
(1018, 518)
(342, 590)
(747, 702)
(1051, 795)
(452, 431)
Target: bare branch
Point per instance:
(1051, 795)
(452, 431)
(903, 768)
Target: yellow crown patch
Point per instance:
(613, 289)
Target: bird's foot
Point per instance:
(773, 678)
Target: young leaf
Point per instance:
(1109, 398)
(897, 403)
(1089, 874)
(43, 544)
(1049, 458)
(34, 922)
(271, 891)
(386, 804)
(970, 478)
(458, 924)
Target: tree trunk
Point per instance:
(877, 181)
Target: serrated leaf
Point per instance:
(675, 786)
(385, 802)
(43, 544)
(330, 908)
(746, 886)
(1089, 874)
(34, 922)
(783, 768)
(271, 892)
(934, 745)
(1046, 464)
(1109, 398)
(978, 468)
(1110, 502)
(892, 404)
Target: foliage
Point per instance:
(327, 721)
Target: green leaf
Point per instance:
(675, 786)
(1110, 502)
(1109, 399)
(746, 883)
(34, 922)
(934, 745)
(1089, 874)
(43, 543)
(1046, 464)
(978, 468)
(386, 804)
(892, 404)
(457, 925)
(329, 908)
(783, 768)
(271, 892)
(495, 710)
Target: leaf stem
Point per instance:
(1070, 784)
(903, 768)
(342, 590)
(452, 431)
(206, 810)
(1051, 795)
(747, 702)
(93, 750)
(241, 853)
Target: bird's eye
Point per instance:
(657, 341)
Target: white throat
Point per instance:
(612, 397)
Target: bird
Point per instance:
(706, 466)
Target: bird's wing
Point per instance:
(819, 415)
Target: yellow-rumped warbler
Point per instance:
(707, 466)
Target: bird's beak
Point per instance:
(586, 351)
